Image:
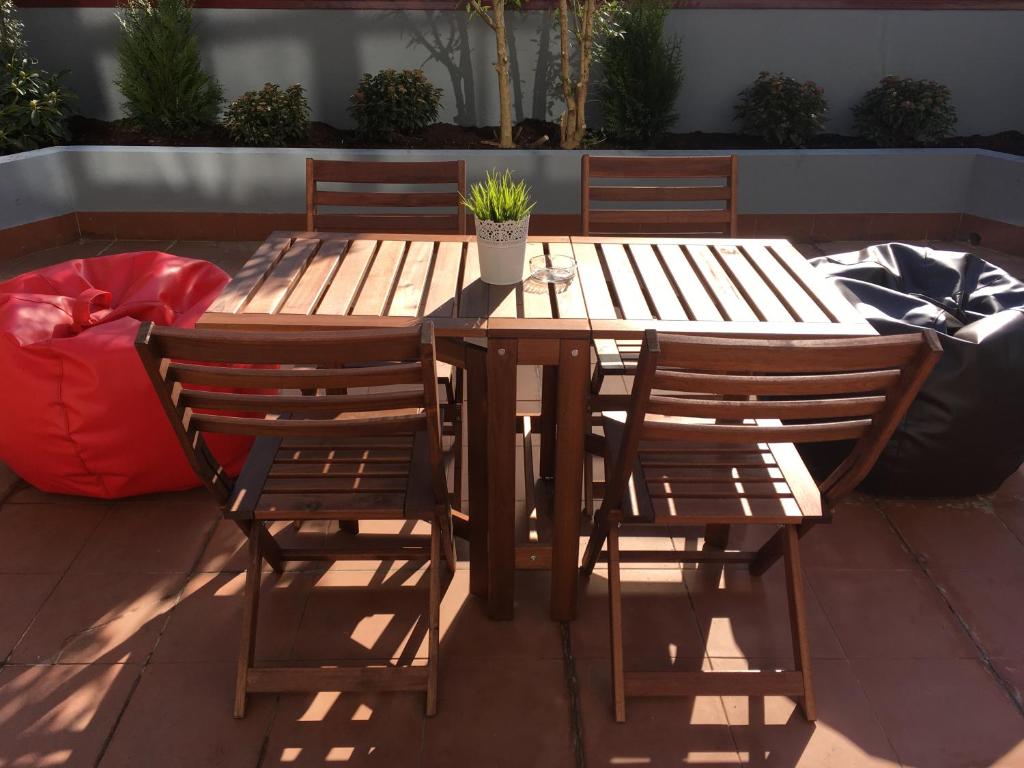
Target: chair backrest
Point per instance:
(281, 385)
(426, 202)
(700, 391)
(659, 195)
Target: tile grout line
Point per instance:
(849, 662)
(983, 656)
(56, 658)
(573, 688)
(149, 656)
(706, 655)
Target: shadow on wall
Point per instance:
(449, 40)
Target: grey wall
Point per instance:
(997, 188)
(37, 185)
(34, 186)
(976, 53)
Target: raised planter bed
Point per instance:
(225, 193)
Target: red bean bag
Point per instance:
(77, 411)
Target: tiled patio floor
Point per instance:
(119, 625)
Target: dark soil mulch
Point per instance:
(536, 134)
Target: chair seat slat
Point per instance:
(829, 408)
(851, 429)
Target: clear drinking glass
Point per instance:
(555, 268)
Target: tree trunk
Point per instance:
(574, 89)
(504, 78)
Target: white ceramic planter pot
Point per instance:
(502, 249)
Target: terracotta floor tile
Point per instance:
(467, 630)
(988, 599)
(857, 537)
(206, 624)
(843, 246)
(809, 250)
(46, 537)
(21, 597)
(1012, 671)
(152, 534)
(657, 731)
(30, 495)
(61, 253)
(180, 715)
(335, 537)
(955, 534)
(943, 712)
(354, 729)
(60, 715)
(500, 716)
(100, 617)
(226, 549)
(772, 731)
(1008, 503)
(228, 255)
(639, 539)
(8, 481)
(657, 621)
(365, 615)
(889, 615)
(128, 246)
(745, 617)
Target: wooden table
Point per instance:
(625, 285)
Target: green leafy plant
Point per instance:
(269, 117)
(165, 88)
(34, 107)
(499, 198)
(901, 111)
(781, 110)
(394, 102)
(11, 28)
(643, 72)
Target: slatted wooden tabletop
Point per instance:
(326, 280)
(624, 285)
(731, 286)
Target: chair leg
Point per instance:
(268, 547)
(247, 648)
(349, 526)
(588, 486)
(457, 448)
(798, 617)
(597, 380)
(615, 622)
(434, 619)
(773, 549)
(598, 533)
(717, 536)
(448, 541)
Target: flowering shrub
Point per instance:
(394, 103)
(901, 111)
(781, 110)
(33, 105)
(269, 117)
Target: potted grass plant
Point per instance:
(501, 208)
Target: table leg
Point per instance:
(476, 396)
(502, 360)
(548, 420)
(573, 370)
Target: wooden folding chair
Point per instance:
(428, 201)
(316, 456)
(671, 195)
(709, 440)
